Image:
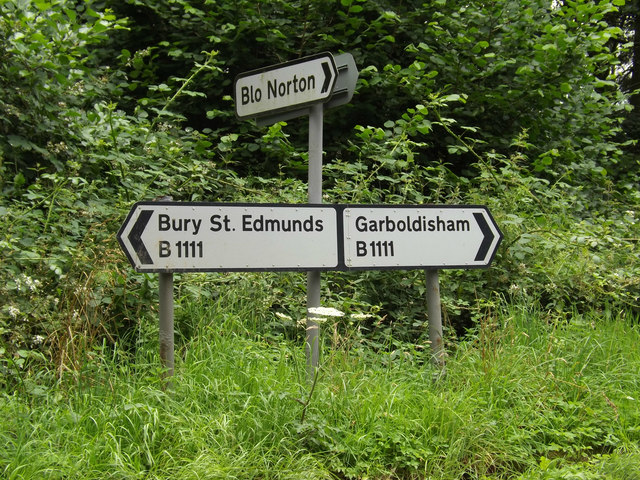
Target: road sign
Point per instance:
(182, 237)
(346, 81)
(285, 86)
(342, 92)
(418, 237)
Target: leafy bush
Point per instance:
(48, 75)
(560, 249)
(99, 113)
(537, 65)
(563, 247)
(72, 165)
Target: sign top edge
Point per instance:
(277, 66)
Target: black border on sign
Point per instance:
(339, 209)
(288, 108)
(122, 229)
(227, 204)
(343, 266)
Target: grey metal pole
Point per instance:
(165, 293)
(434, 313)
(315, 197)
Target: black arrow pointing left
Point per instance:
(135, 237)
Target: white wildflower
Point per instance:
(14, 311)
(324, 312)
(31, 283)
(321, 314)
(283, 316)
(37, 339)
(361, 316)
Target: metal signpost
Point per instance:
(312, 343)
(290, 90)
(166, 237)
(419, 236)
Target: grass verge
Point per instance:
(524, 397)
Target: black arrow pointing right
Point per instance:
(328, 75)
(487, 240)
(135, 237)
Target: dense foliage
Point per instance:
(511, 104)
(525, 106)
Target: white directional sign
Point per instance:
(182, 237)
(285, 86)
(419, 236)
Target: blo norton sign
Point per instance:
(183, 237)
(285, 86)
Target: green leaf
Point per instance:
(454, 97)
(424, 127)
(40, 5)
(71, 14)
(481, 45)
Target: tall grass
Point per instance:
(525, 396)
